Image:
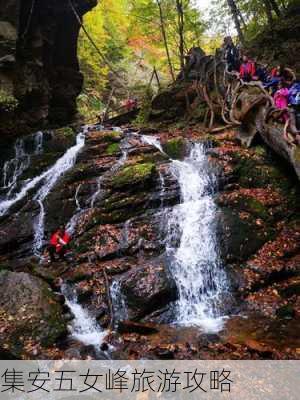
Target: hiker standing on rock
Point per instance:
(231, 54)
(59, 244)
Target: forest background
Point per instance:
(134, 38)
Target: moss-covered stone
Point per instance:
(250, 205)
(260, 151)
(112, 149)
(175, 148)
(66, 131)
(252, 173)
(111, 136)
(33, 314)
(286, 312)
(239, 238)
(138, 174)
(40, 163)
(4, 267)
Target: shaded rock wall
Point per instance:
(42, 36)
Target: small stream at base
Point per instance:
(84, 327)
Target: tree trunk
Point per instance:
(179, 6)
(164, 35)
(235, 14)
(275, 7)
(268, 9)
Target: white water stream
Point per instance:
(14, 168)
(62, 165)
(83, 328)
(191, 245)
(195, 263)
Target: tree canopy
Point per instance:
(136, 36)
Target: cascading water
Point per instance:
(84, 328)
(152, 141)
(38, 140)
(118, 302)
(195, 263)
(191, 245)
(62, 165)
(71, 225)
(14, 168)
(97, 193)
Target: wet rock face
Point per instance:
(47, 79)
(238, 238)
(120, 237)
(29, 313)
(147, 288)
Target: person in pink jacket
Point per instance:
(281, 99)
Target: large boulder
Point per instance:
(239, 236)
(147, 288)
(29, 314)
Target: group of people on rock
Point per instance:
(280, 81)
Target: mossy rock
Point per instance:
(291, 290)
(261, 151)
(40, 163)
(60, 140)
(66, 132)
(138, 174)
(32, 312)
(175, 148)
(250, 205)
(4, 267)
(287, 312)
(154, 158)
(239, 238)
(110, 136)
(255, 174)
(112, 149)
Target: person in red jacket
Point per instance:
(247, 69)
(58, 244)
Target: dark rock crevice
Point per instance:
(41, 44)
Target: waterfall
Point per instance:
(62, 165)
(162, 188)
(38, 141)
(195, 262)
(95, 196)
(152, 141)
(84, 328)
(97, 193)
(118, 302)
(14, 168)
(191, 245)
(71, 225)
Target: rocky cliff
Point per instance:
(38, 57)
